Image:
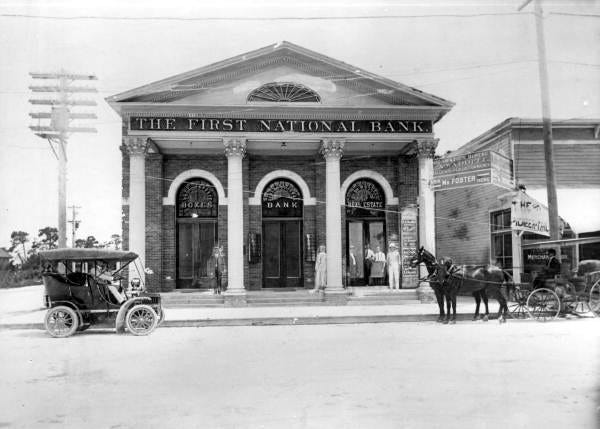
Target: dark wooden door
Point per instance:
(282, 254)
(195, 242)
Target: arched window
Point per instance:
(284, 92)
(197, 198)
(365, 198)
(282, 198)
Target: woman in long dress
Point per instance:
(320, 270)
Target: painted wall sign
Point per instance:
(478, 168)
(197, 198)
(408, 246)
(529, 215)
(281, 198)
(365, 198)
(146, 123)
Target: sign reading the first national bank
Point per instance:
(138, 123)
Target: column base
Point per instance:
(425, 293)
(235, 298)
(336, 296)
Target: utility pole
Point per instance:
(58, 131)
(546, 122)
(74, 223)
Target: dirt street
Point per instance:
(395, 375)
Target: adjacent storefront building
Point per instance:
(267, 156)
(491, 193)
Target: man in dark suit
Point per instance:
(552, 269)
(215, 267)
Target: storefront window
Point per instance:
(501, 239)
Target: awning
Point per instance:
(580, 208)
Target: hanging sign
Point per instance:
(529, 215)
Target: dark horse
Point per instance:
(481, 281)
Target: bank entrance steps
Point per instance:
(372, 295)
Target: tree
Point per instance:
(19, 238)
(87, 243)
(49, 236)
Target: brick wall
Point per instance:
(400, 172)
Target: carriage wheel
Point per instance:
(543, 304)
(61, 321)
(141, 319)
(518, 309)
(578, 307)
(594, 301)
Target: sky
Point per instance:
(479, 54)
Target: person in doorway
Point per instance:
(378, 266)
(369, 259)
(393, 264)
(552, 269)
(215, 267)
(353, 268)
(320, 270)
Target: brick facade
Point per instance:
(400, 172)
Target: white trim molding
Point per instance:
(390, 200)
(169, 200)
(287, 174)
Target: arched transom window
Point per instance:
(197, 198)
(284, 92)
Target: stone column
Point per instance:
(426, 152)
(332, 150)
(136, 148)
(235, 150)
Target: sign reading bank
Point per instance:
(279, 125)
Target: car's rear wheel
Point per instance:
(61, 321)
(141, 319)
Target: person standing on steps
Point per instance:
(320, 270)
(393, 264)
(215, 267)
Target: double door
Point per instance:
(282, 253)
(362, 237)
(195, 242)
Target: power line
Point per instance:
(249, 18)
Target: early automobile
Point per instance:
(85, 287)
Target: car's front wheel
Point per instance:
(141, 319)
(61, 321)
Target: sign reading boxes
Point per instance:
(478, 168)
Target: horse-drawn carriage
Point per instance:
(577, 294)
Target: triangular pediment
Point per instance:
(230, 82)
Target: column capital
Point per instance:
(332, 148)
(135, 145)
(235, 146)
(426, 147)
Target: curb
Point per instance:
(276, 321)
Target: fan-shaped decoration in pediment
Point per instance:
(284, 92)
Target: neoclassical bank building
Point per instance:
(269, 155)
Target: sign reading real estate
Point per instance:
(528, 215)
(478, 168)
(138, 123)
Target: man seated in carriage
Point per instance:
(552, 269)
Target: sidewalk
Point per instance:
(21, 308)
